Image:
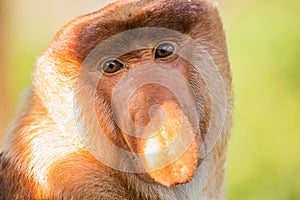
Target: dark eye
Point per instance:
(164, 50)
(112, 66)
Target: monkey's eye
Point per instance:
(112, 66)
(164, 50)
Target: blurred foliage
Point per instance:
(264, 152)
(264, 46)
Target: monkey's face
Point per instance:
(152, 107)
(143, 93)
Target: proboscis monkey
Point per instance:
(130, 102)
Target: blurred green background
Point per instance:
(264, 47)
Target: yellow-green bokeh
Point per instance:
(264, 152)
(264, 48)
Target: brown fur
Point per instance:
(43, 156)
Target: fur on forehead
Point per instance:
(92, 29)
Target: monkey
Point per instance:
(133, 101)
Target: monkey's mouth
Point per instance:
(169, 155)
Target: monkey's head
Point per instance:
(143, 83)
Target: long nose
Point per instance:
(167, 142)
(158, 119)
